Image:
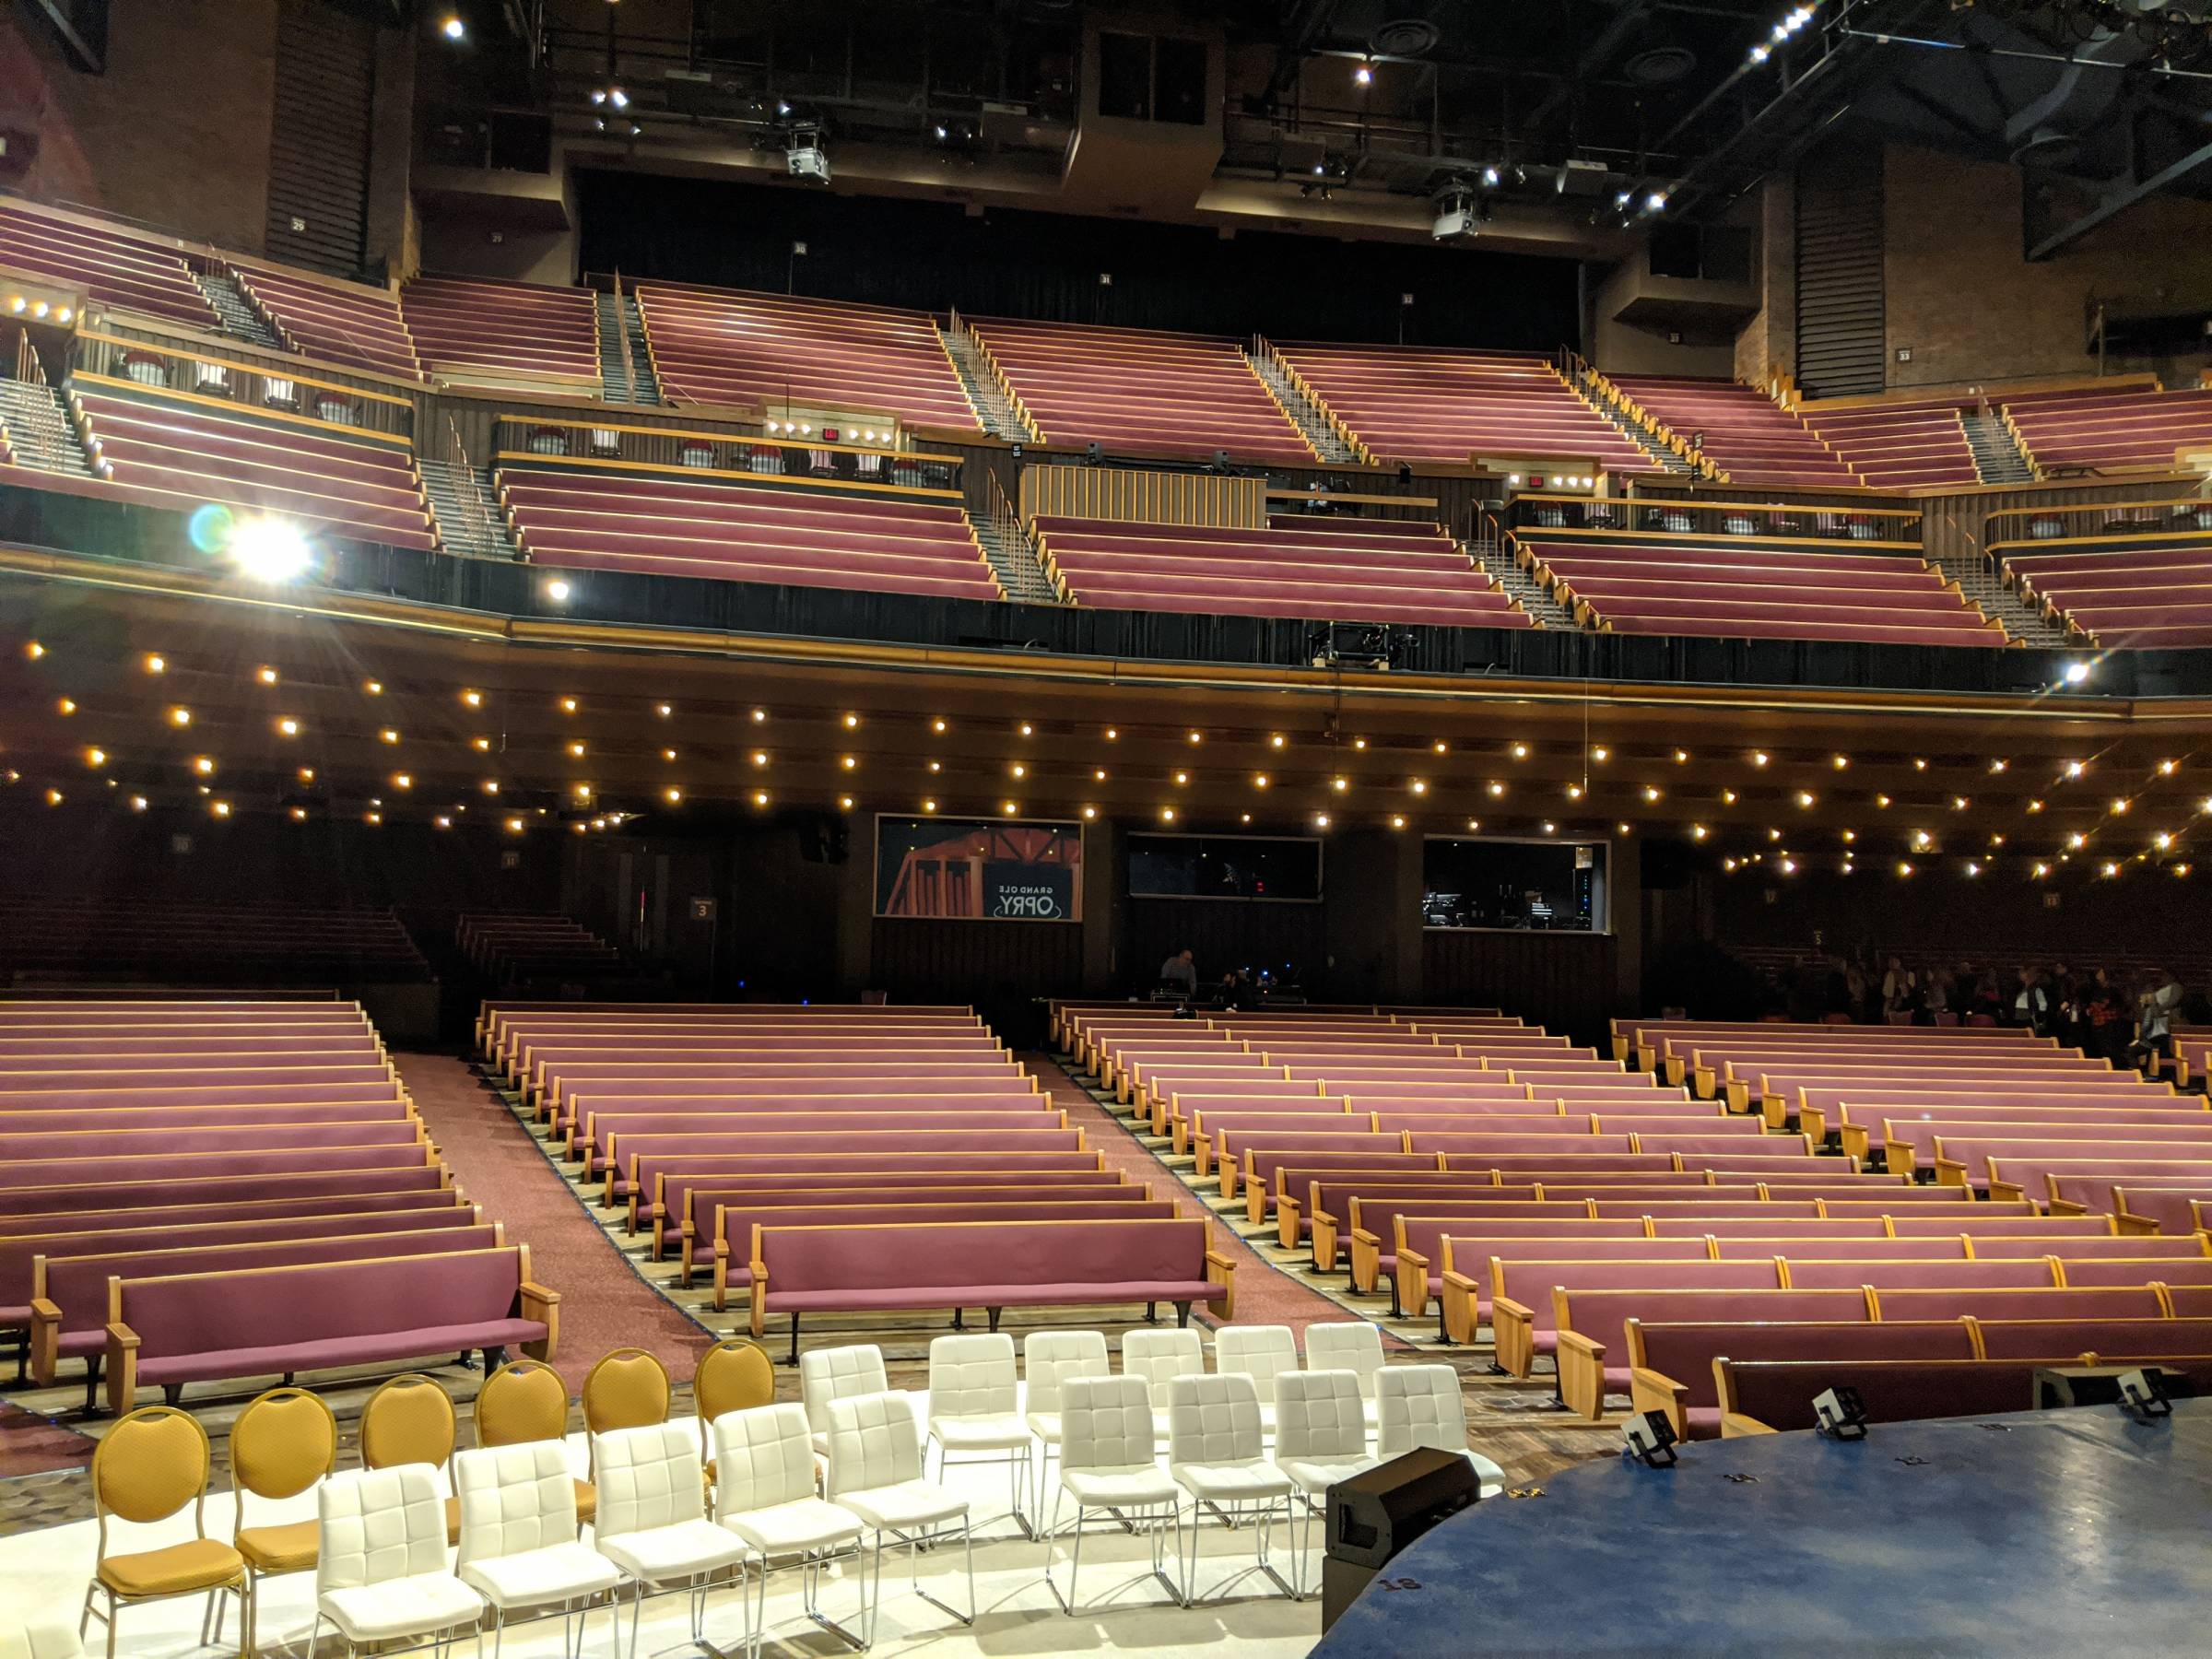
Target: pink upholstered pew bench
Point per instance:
(703, 1105)
(69, 1294)
(660, 1173)
(207, 1327)
(884, 1143)
(993, 1265)
(611, 1135)
(1770, 1396)
(736, 1228)
(1670, 1367)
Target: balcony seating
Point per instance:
(729, 530)
(1898, 443)
(1297, 567)
(116, 270)
(507, 947)
(1427, 404)
(2134, 428)
(2138, 586)
(723, 346)
(1660, 584)
(358, 486)
(1751, 437)
(1140, 391)
(482, 331)
(348, 323)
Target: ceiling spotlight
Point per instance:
(156, 664)
(452, 29)
(1364, 75)
(1655, 202)
(289, 726)
(268, 549)
(1759, 757)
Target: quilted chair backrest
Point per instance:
(376, 1525)
(828, 1375)
(1356, 1349)
(1260, 1352)
(1419, 1405)
(1159, 1356)
(972, 1376)
(1050, 1358)
(515, 1498)
(1213, 1419)
(1106, 1423)
(647, 1478)
(872, 1443)
(762, 1456)
(1318, 1416)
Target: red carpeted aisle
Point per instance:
(603, 1304)
(1266, 1294)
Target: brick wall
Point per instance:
(1971, 308)
(1769, 339)
(176, 132)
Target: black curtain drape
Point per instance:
(936, 256)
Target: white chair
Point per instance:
(875, 1471)
(838, 1373)
(1320, 1438)
(975, 1413)
(520, 1546)
(764, 1493)
(1356, 1347)
(1213, 1454)
(1159, 1357)
(1260, 1352)
(1109, 1460)
(1420, 1405)
(1048, 1359)
(380, 1563)
(39, 1636)
(652, 1519)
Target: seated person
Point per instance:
(1180, 972)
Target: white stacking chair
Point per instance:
(1420, 1405)
(379, 1570)
(652, 1519)
(520, 1544)
(764, 1492)
(1109, 1460)
(875, 1471)
(975, 1411)
(1214, 1454)
(1260, 1352)
(1158, 1357)
(1356, 1347)
(1048, 1359)
(1320, 1438)
(838, 1373)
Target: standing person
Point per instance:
(1180, 972)
(2160, 996)
(1855, 993)
(2032, 1002)
(1898, 987)
(2103, 1032)
(1936, 1002)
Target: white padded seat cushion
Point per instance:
(556, 1572)
(788, 1529)
(660, 1553)
(1120, 1489)
(980, 1433)
(905, 1506)
(1045, 1426)
(1317, 1477)
(416, 1605)
(1240, 1481)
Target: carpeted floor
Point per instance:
(1265, 1295)
(604, 1303)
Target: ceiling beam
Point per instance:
(2113, 203)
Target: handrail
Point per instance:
(630, 367)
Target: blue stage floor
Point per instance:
(2076, 1532)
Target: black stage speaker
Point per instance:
(1374, 1515)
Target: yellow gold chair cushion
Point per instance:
(201, 1564)
(280, 1548)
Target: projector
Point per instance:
(1455, 218)
(807, 161)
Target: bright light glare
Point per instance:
(268, 549)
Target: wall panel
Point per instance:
(1560, 980)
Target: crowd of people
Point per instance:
(2121, 1017)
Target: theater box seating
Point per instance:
(479, 330)
(1896, 444)
(115, 269)
(2127, 428)
(344, 323)
(1751, 437)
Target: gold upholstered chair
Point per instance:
(148, 1468)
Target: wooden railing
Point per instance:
(1138, 496)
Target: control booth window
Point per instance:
(1522, 886)
(1264, 868)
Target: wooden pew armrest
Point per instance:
(1512, 1328)
(1327, 1231)
(1286, 1213)
(1581, 1364)
(1367, 1256)
(1653, 1391)
(1413, 1283)
(45, 1339)
(1735, 1425)
(1222, 1270)
(123, 1368)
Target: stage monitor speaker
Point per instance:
(1376, 1515)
